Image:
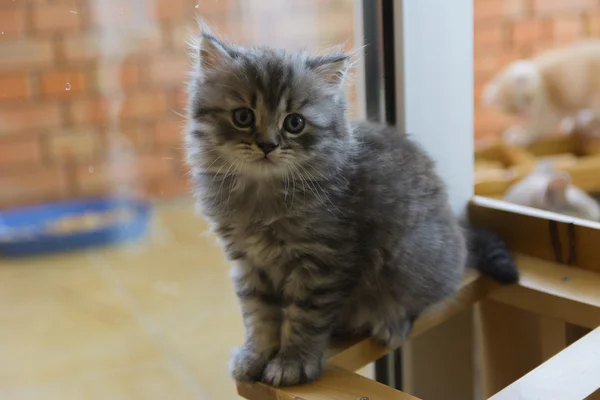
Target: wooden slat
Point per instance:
(527, 230)
(514, 156)
(545, 288)
(440, 363)
(560, 292)
(584, 171)
(553, 336)
(355, 355)
(572, 374)
(335, 384)
(554, 144)
(507, 343)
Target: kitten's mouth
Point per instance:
(265, 160)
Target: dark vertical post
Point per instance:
(380, 91)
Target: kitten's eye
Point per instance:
(294, 123)
(243, 117)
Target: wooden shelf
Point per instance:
(354, 355)
(576, 154)
(554, 290)
(344, 357)
(573, 374)
(335, 384)
(546, 288)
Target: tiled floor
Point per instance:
(155, 320)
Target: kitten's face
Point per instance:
(516, 91)
(265, 113)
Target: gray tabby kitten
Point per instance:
(333, 227)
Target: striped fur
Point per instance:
(344, 228)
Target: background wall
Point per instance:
(506, 30)
(90, 90)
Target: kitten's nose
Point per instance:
(266, 147)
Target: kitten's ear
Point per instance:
(556, 191)
(212, 53)
(333, 69)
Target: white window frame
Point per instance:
(434, 86)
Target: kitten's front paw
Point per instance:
(247, 365)
(288, 370)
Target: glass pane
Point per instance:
(92, 103)
(536, 98)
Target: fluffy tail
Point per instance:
(490, 256)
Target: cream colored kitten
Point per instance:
(548, 189)
(549, 91)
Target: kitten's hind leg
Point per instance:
(393, 333)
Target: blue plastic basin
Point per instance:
(35, 218)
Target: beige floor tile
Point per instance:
(66, 333)
(156, 319)
(185, 292)
(152, 380)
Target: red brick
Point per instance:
(529, 31)
(174, 187)
(180, 100)
(150, 105)
(92, 45)
(76, 144)
(489, 62)
(25, 187)
(498, 9)
(91, 111)
(12, 22)
(132, 136)
(24, 53)
(172, 9)
(144, 104)
(115, 13)
(490, 34)
(19, 151)
(489, 121)
(16, 3)
(567, 28)
(169, 70)
(56, 17)
(28, 117)
(126, 169)
(169, 134)
(112, 76)
(555, 6)
(593, 24)
(220, 7)
(14, 86)
(63, 83)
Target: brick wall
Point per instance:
(506, 30)
(90, 89)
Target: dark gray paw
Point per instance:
(247, 365)
(392, 334)
(289, 370)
